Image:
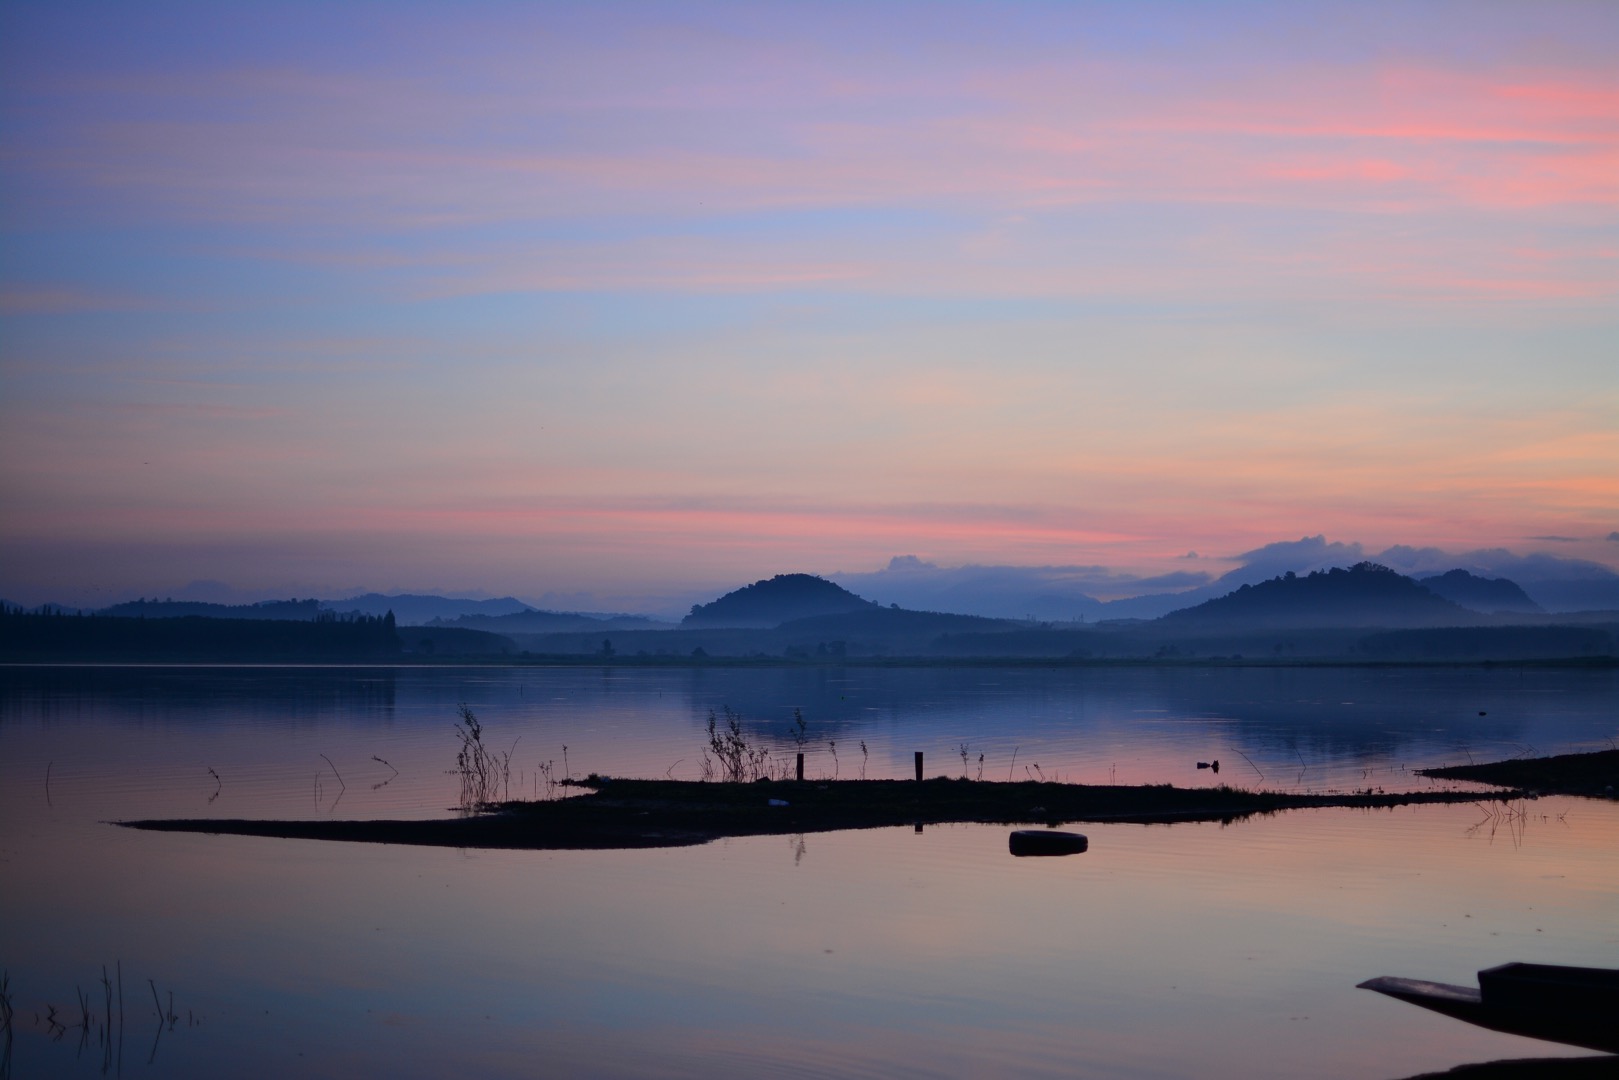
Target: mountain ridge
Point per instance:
(773, 601)
(1365, 595)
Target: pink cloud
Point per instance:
(312, 146)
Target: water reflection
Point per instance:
(99, 1017)
(1308, 729)
(1163, 951)
(194, 695)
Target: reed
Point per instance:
(335, 773)
(1250, 762)
(5, 1027)
(735, 759)
(484, 772)
(6, 1013)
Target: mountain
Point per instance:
(783, 598)
(411, 609)
(1480, 593)
(1558, 584)
(1364, 595)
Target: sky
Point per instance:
(608, 303)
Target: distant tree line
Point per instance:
(52, 634)
(176, 609)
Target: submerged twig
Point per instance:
(384, 783)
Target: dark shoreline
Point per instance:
(1595, 774)
(676, 813)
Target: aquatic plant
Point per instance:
(735, 760)
(484, 773)
(389, 765)
(5, 1021)
(102, 1018)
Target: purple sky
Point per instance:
(617, 302)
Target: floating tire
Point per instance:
(1046, 842)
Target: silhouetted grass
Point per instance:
(485, 773)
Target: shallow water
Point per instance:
(1163, 951)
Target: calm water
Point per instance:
(1163, 951)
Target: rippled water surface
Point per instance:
(1186, 950)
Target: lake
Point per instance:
(1163, 951)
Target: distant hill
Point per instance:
(783, 598)
(1480, 593)
(1366, 594)
(279, 610)
(412, 609)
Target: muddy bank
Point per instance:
(1577, 1068)
(673, 813)
(1565, 774)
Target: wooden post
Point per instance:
(919, 765)
(801, 765)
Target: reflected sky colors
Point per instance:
(605, 300)
(1163, 951)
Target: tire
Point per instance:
(1046, 842)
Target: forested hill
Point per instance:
(1481, 593)
(179, 609)
(783, 598)
(1363, 595)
